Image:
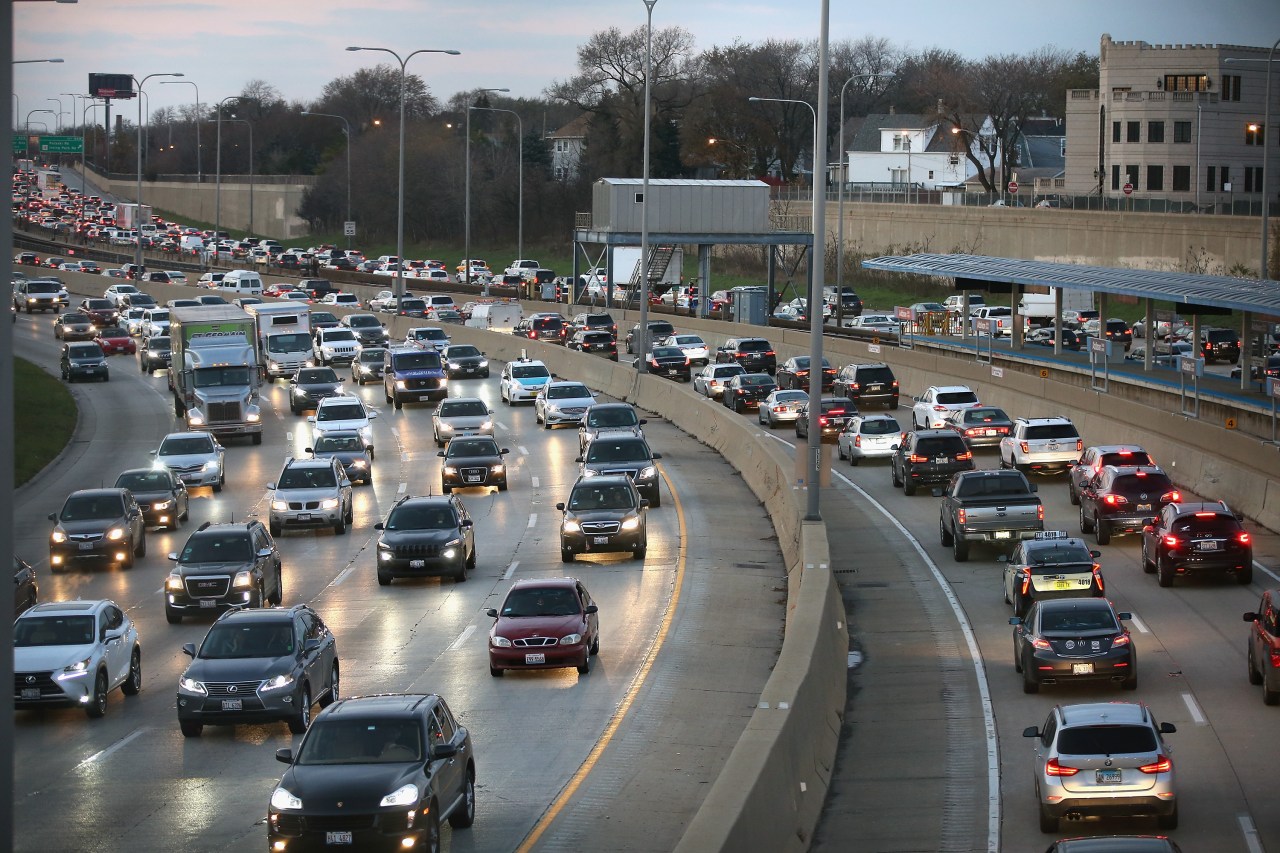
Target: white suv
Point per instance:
(311, 493)
(1044, 445)
(337, 345)
(931, 407)
(75, 653)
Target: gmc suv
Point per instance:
(222, 566)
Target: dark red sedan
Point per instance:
(115, 340)
(544, 623)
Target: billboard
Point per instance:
(111, 85)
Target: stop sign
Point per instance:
(1128, 189)
(1013, 186)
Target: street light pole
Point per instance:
(199, 164)
(217, 193)
(137, 255)
(57, 128)
(520, 174)
(347, 129)
(840, 200)
(466, 205)
(249, 125)
(399, 285)
(642, 364)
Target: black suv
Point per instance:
(473, 462)
(310, 385)
(756, 355)
(836, 412)
(1220, 345)
(619, 453)
(1195, 538)
(601, 321)
(865, 384)
(259, 666)
(603, 514)
(97, 524)
(658, 330)
(221, 566)
(375, 773)
(1125, 499)
(155, 353)
(83, 360)
(425, 536)
(929, 456)
(599, 342)
(542, 327)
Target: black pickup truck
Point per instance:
(989, 506)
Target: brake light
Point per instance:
(1242, 538)
(1115, 500)
(857, 441)
(940, 408)
(1171, 541)
(1275, 658)
(964, 457)
(895, 383)
(822, 420)
(1171, 497)
(1040, 512)
(961, 515)
(1206, 514)
(914, 458)
(1122, 640)
(1162, 765)
(971, 432)
(770, 352)
(1125, 452)
(1041, 643)
(1026, 580)
(855, 386)
(1097, 576)
(1053, 768)
(1026, 448)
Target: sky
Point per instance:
(299, 45)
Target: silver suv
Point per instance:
(1104, 758)
(311, 493)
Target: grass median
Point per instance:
(44, 417)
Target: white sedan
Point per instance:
(694, 347)
(336, 414)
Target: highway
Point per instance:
(132, 782)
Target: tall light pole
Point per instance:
(346, 129)
(519, 175)
(840, 201)
(642, 363)
(30, 113)
(84, 123)
(466, 205)
(399, 285)
(1266, 173)
(217, 191)
(137, 255)
(58, 126)
(199, 163)
(247, 124)
(17, 103)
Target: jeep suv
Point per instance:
(311, 493)
(426, 536)
(221, 566)
(413, 375)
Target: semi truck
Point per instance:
(132, 216)
(283, 337)
(214, 374)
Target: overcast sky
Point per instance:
(298, 45)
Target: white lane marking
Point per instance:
(975, 655)
(343, 575)
(1139, 624)
(533, 519)
(501, 425)
(462, 638)
(1250, 833)
(524, 451)
(1196, 713)
(1263, 568)
(396, 432)
(536, 482)
(511, 570)
(404, 457)
(160, 591)
(105, 753)
(400, 490)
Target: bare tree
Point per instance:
(374, 93)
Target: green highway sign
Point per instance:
(19, 143)
(61, 145)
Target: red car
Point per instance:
(115, 340)
(278, 290)
(544, 623)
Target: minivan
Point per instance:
(242, 283)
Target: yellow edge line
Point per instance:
(561, 801)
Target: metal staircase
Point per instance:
(659, 260)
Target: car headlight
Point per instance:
(194, 418)
(631, 523)
(76, 669)
(299, 392)
(211, 465)
(58, 536)
(497, 469)
(359, 463)
(115, 534)
(277, 682)
(243, 580)
(445, 426)
(570, 639)
(400, 385)
(450, 471)
(161, 505)
(484, 362)
(253, 416)
(192, 686)
(284, 801)
(174, 582)
(571, 526)
(329, 503)
(487, 425)
(590, 473)
(279, 506)
(499, 642)
(406, 795)
(453, 365)
(364, 368)
(647, 473)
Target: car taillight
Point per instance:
(1275, 658)
(1242, 538)
(770, 352)
(895, 383)
(822, 420)
(1122, 640)
(1040, 512)
(855, 386)
(1171, 541)
(964, 457)
(939, 408)
(1162, 764)
(857, 441)
(1053, 768)
(1171, 497)
(1026, 448)
(1097, 576)
(917, 459)
(1115, 500)
(1026, 580)
(1041, 643)
(961, 515)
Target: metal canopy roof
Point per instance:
(1261, 296)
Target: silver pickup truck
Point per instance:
(995, 507)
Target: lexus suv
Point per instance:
(259, 666)
(221, 566)
(75, 653)
(426, 536)
(97, 525)
(311, 493)
(603, 515)
(544, 623)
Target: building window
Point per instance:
(1182, 179)
(1186, 83)
(639, 198)
(901, 142)
(1131, 175)
(1133, 131)
(1253, 179)
(1115, 131)
(1182, 132)
(1211, 179)
(1225, 177)
(931, 174)
(1155, 179)
(1253, 134)
(1155, 131)
(1115, 177)
(1231, 87)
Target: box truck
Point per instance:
(1038, 308)
(214, 374)
(283, 337)
(132, 216)
(500, 315)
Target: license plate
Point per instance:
(1144, 507)
(989, 432)
(208, 602)
(31, 693)
(473, 479)
(1003, 534)
(941, 460)
(337, 838)
(1053, 445)
(672, 372)
(600, 540)
(538, 658)
(1108, 777)
(417, 564)
(875, 387)
(86, 546)
(233, 704)
(1210, 545)
(1083, 669)
(1062, 584)
(304, 516)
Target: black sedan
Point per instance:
(669, 362)
(310, 385)
(794, 373)
(367, 366)
(464, 361)
(747, 390)
(1073, 639)
(160, 493)
(26, 592)
(473, 462)
(594, 341)
(835, 413)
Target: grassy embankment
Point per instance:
(44, 417)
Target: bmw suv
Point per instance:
(221, 566)
(311, 493)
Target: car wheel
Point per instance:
(944, 535)
(256, 596)
(908, 488)
(641, 553)
(1148, 567)
(298, 722)
(275, 529)
(566, 556)
(398, 403)
(217, 487)
(495, 671)
(257, 438)
(959, 549)
(1071, 493)
(1168, 821)
(278, 596)
(1103, 531)
(141, 549)
(893, 475)
(1029, 683)
(433, 828)
(502, 486)
(446, 489)
(465, 814)
(97, 706)
(1048, 822)
(333, 693)
(340, 526)
(384, 578)
(172, 615)
(1245, 576)
(191, 728)
(439, 441)
(584, 668)
(1166, 573)
(133, 684)
(1017, 658)
(1085, 526)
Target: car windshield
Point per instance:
(159, 316)
(416, 361)
(348, 741)
(341, 412)
(562, 392)
(1106, 740)
(611, 417)
(338, 335)
(90, 350)
(419, 517)
(90, 507)
(217, 548)
(42, 287)
(98, 304)
(957, 398)
(993, 485)
(158, 344)
(186, 445)
(617, 451)
(298, 477)
(546, 601)
(272, 639)
(529, 372)
(144, 481)
(472, 447)
(293, 342)
(363, 321)
(215, 377)
(53, 631)
(113, 332)
(1052, 432)
(601, 497)
(371, 356)
(760, 381)
(318, 376)
(463, 351)
(689, 340)
(668, 352)
(463, 408)
(879, 426)
(790, 396)
(338, 443)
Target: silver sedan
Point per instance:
(782, 407)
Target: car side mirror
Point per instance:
(492, 612)
(372, 414)
(271, 486)
(189, 649)
(311, 645)
(173, 556)
(591, 608)
(1095, 554)
(311, 419)
(465, 524)
(379, 526)
(444, 750)
(53, 516)
(1239, 516)
(1251, 617)
(1167, 728)
(896, 447)
(1031, 731)
(575, 459)
(504, 451)
(1014, 620)
(1148, 528)
(643, 421)
(937, 491)
(284, 755)
(560, 506)
(440, 453)
(265, 552)
(657, 456)
(1125, 615)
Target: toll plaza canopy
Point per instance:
(979, 272)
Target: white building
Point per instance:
(904, 149)
(567, 145)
